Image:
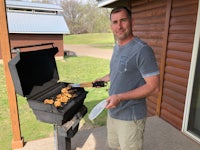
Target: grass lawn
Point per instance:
(71, 69)
(92, 39)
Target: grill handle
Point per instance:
(17, 49)
(99, 84)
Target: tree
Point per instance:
(83, 18)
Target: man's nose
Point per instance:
(119, 24)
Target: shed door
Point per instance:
(191, 121)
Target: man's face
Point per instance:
(121, 25)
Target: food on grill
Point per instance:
(57, 103)
(66, 94)
(66, 89)
(48, 101)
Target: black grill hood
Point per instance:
(34, 71)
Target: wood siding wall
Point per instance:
(168, 26)
(179, 51)
(33, 39)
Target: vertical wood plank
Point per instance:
(17, 141)
(164, 53)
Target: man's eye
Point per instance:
(114, 22)
(124, 19)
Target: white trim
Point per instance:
(191, 78)
(102, 3)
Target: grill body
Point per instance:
(35, 77)
(49, 113)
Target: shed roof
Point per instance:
(35, 18)
(36, 23)
(31, 5)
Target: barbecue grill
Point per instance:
(35, 76)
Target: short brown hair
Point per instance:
(118, 9)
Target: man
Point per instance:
(133, 76)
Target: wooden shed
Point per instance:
(35, 23)
(172, 28)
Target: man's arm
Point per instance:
(150, 87)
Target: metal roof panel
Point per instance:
(36, 23)
(31, 5)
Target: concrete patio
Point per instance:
(159, 135)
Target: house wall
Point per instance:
(17, 40)
(168, 26)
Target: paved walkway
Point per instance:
(159, 135)
(87, 50)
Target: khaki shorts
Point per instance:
(125, 135)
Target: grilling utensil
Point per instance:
(90, 84)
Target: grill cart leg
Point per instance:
(64, 133)
(61, 141)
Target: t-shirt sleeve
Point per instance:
(146, 62)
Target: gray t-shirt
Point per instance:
(129, 65)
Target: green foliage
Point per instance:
(71, 69)
(85, 18)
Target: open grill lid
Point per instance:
(34, 71)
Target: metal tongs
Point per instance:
(89, 84)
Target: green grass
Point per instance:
(71, 69)
(100, 40)
(92, 39)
